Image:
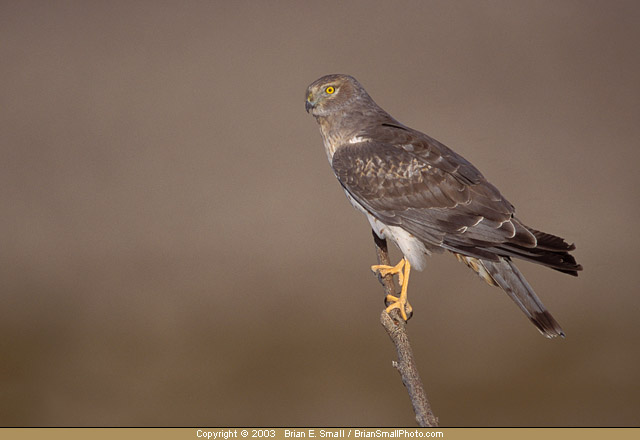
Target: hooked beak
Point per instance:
(309, 104)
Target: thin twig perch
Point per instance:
(396, 329)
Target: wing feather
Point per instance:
(403, 189)
(410, 180)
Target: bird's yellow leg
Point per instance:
(402, 269)
(385, 270)
(402, 303)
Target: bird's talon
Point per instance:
(385, 270)
(398, 302)
(405, 309)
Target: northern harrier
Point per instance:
(426, 198)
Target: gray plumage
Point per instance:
(427, 198)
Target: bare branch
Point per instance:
(396, 329)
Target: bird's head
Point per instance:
(333, 93)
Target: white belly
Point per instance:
(413, 249)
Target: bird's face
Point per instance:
(331, 93)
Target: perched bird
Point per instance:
(426, 198)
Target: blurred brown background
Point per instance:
(174, 249)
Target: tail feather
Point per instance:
(509, 278)
(504, 274)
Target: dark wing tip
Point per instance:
(573, 271)
(551, 242)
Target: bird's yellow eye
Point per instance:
(329, 90)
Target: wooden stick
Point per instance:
(396, 329)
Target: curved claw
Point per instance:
(401, 302)
(385, 270)
(405, 309)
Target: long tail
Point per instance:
(504, 274)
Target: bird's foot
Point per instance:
(397, 302)
(403, 306)
(385, 270)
